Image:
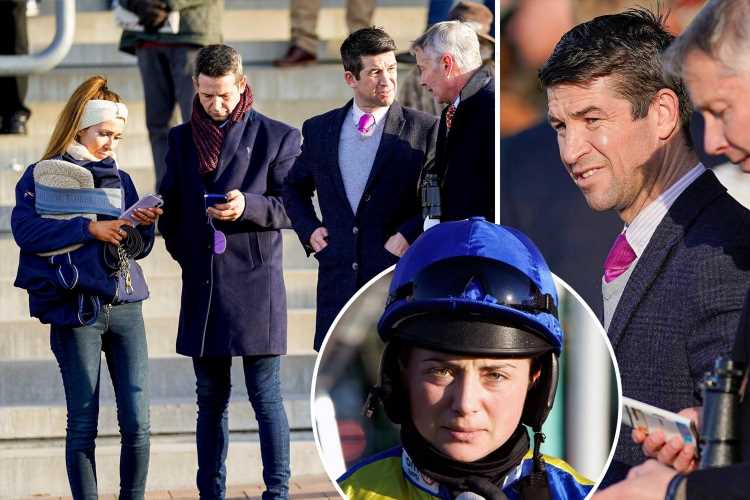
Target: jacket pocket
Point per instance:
(254, 250)
(325, 253)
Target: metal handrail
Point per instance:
(41, 62)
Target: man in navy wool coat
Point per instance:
(364, 161)
(229, 249)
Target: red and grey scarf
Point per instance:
(208, 136)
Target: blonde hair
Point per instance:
(94, 87)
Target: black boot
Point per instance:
(15, 123)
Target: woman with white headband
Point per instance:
(78, 265)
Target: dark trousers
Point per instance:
(121, 335)
(14, 40)
(167, 76)
(213, 387)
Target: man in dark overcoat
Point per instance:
(450, 65)
(230, 251)
(364, 162)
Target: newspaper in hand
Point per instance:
(128, 21)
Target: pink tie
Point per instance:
(366, 122)
(620, 256)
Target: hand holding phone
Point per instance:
(227, 208)
(148, 201)
(212, 199)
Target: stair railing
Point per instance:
(41, 62)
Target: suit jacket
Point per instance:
(465, 157)
(538, 197)
(233, 304)
(389, 204)
(681, 306)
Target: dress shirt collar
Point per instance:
(378, 114)
(642, 228)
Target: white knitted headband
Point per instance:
(100, 110)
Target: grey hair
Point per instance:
(456, 38)
(721, 30)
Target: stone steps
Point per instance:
(39, 469)
(320, 81)
(33, 416)
(165, 291)
(32, 410)
(46, 113)
(170, 417)
(25, 150)
(290, 96)
(171, 379)
(260, 35)
(47, 8)
(22, 337)
(29, 339)
(143, 177)
(159, 262)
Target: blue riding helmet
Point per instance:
(478, 271)
(474, 288)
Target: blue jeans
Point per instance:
(118, 332)
(213, 386)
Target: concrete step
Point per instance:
(291, 96)
(135, 151)
(35, 470)
(261, 35)
(159, 262)
(144, 180)
(29, 339)
(320, 81)
(165, 290)
(171, 379)
(97, 56)
(47, 8)
(45, 114)
(45, 422)
(143, 176)
(244, 24)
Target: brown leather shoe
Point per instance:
(296, 56)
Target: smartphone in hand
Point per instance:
(214, 199)
(148, 201)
